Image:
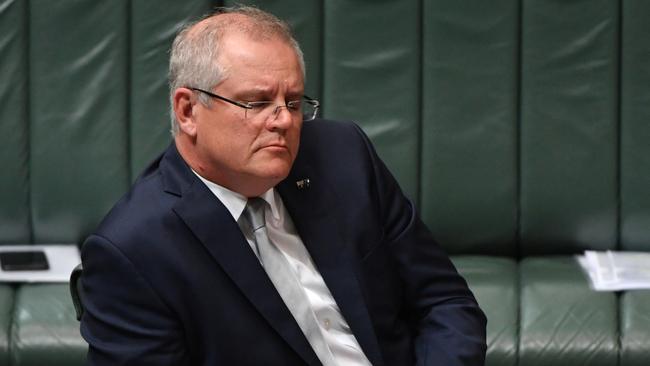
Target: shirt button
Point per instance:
(327, 324)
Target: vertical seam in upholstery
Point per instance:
(420, 101)
(518, 291)
(518, 128)
(619, 127)
(28, 150)
(619, 326)
(128, 92)
(12, 323)
(518, 170)
(28, 118)
(619, 156)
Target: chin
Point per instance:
(279, 174)
(276, 171)
(273, 167)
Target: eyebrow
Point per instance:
(267, 92)
(254, 92)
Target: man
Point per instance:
(257, 240)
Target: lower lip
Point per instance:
(275, 148)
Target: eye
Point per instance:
(258, 106)
(294, 105)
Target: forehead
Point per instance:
(259, 60)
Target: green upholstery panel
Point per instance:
(494, 282)
(635, 126)
(564, 322)
(306, 21)
(45, 327)
(469, 170)
(371, 61)
(569, 126)
(78, 114)
(521, 129)
(635, 323)
(151, 39)
(6, 317)
(14, 126)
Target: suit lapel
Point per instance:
(313, 210)
(215, 228)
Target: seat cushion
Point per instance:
(45, 330)
(635, 328)
(494, 283)
(563, 321)
(6, 308)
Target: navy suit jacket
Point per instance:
(169, 278)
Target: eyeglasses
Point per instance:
(308, 107)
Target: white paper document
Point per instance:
(61, 260)
(616, 271)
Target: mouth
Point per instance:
(274, 144)
(275, 147)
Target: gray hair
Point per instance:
(194, 59)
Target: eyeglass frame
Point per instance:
(249, 105)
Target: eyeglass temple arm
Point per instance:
(312, 101)
(239, 104)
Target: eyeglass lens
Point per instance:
(271, 111)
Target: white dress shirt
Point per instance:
(341, 342)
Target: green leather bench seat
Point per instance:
(6, 318)
(45, 330)
(564, 322)
(634, 324)
(542, 311)
(38, 326)
(518, 127)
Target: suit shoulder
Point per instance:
(331, 137)
(149, 200)
(318, 127)
(143, 206)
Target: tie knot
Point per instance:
(254, 212)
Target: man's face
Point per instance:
(236, 148)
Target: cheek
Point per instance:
(224, 138)
(216, 146)
(229, 147)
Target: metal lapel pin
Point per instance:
(303, 183)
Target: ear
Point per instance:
(184, 102)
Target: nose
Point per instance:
(280, 118)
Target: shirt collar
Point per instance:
(236, 203)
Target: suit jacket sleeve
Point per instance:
(448, 324)
(141, 331)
